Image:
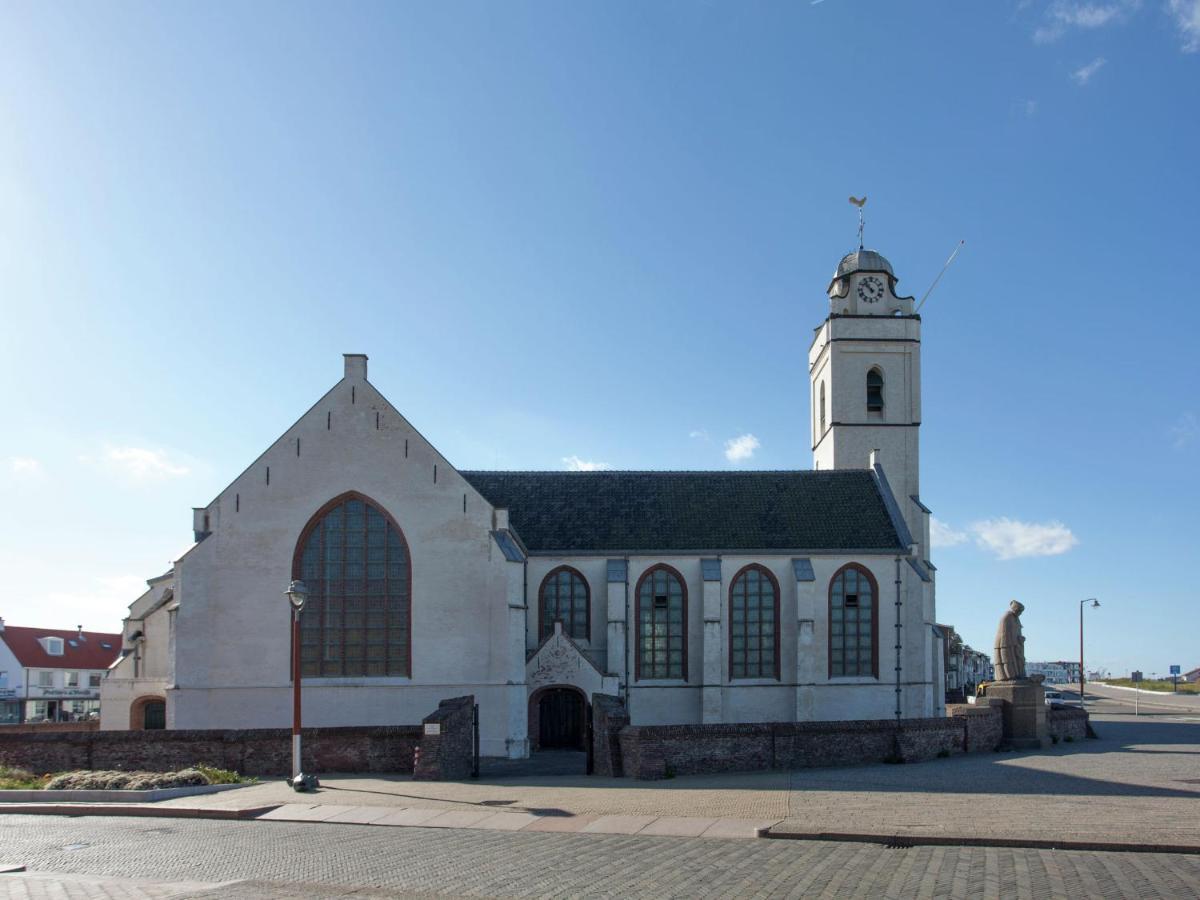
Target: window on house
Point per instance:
(662, 624)
(754, 624)
(94, 679)
(875, 391)
(54, 646)
(853, 623)
(45, 679)
(72, 680)
(564, 595)
(357, 622)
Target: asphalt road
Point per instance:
(1113, 701)
(302, 860)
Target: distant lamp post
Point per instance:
(297, 594)
(1082, 677)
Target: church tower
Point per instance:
(865, 372)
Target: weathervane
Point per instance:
(860, 204)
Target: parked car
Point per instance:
(1053, 697)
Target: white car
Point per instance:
(1053, 697)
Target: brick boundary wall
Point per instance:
(260, 751)
(608, 718)
(450, 754)
(1064, 723)
(50, 727)
(658, 751)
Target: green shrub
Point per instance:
(1068, 739)
(221, 776)
(943, 753)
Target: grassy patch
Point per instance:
(196, 776)
(19, 780)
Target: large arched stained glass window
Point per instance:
(358, 619)
(754, 624)
(853, 623)
(662, 624)
(564, 596)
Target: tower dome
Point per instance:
(863, 261)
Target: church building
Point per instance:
(695, 597)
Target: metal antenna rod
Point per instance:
(939, 277)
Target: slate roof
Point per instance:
(88, 653)
(628, 512)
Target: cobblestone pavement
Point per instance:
(110, 857)
(1139, 782)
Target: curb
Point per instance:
(904, 841)
(178, 812)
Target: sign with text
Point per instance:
(433, 728)
(1175, 670)
(1136, 676)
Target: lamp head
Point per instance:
(1095, 604)
(297, 593)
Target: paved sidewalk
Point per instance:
(1138, 785)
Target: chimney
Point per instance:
(356, 365)
(79, 632)
(1, 623)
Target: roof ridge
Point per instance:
(603, 472)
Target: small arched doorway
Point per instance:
(559, 717)
(148, 714)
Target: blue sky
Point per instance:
(601, 232)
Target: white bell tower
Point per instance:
(865, 372)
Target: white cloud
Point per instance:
(575, 464)
(139, 463)
(1013, 539)
(25, 466)
(1187, 19)
(1186, 429)
(699, 434)
(1063, 15)
(741, 448)
(1083, 74)
(1030, 108)
(942, 535)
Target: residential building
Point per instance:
(52, 675)
(697, 597)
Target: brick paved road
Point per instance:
(306, 860)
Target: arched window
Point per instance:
(754, 624)
(662, 624)
(875, 391)
(853, 623)
(822, 431)
(564, 595)
(353, 557)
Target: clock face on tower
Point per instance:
(870, 289)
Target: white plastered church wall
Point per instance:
(232, 648)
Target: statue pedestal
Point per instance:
(1024, 712)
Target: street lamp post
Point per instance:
(1082, 678)
(297, 594)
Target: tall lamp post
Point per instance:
(297, 594)
(1082, 678)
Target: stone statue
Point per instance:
(1010, 645)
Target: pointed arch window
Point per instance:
(853, 623)
(358, 619)
(564, 595)
(754, 624)
(662, 624)
(875, 390)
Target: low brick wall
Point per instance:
(49, 727)
(1067, 723)
(448, 755)
(983, 723)
(608, 718)
(262, 752)
(659, 751)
